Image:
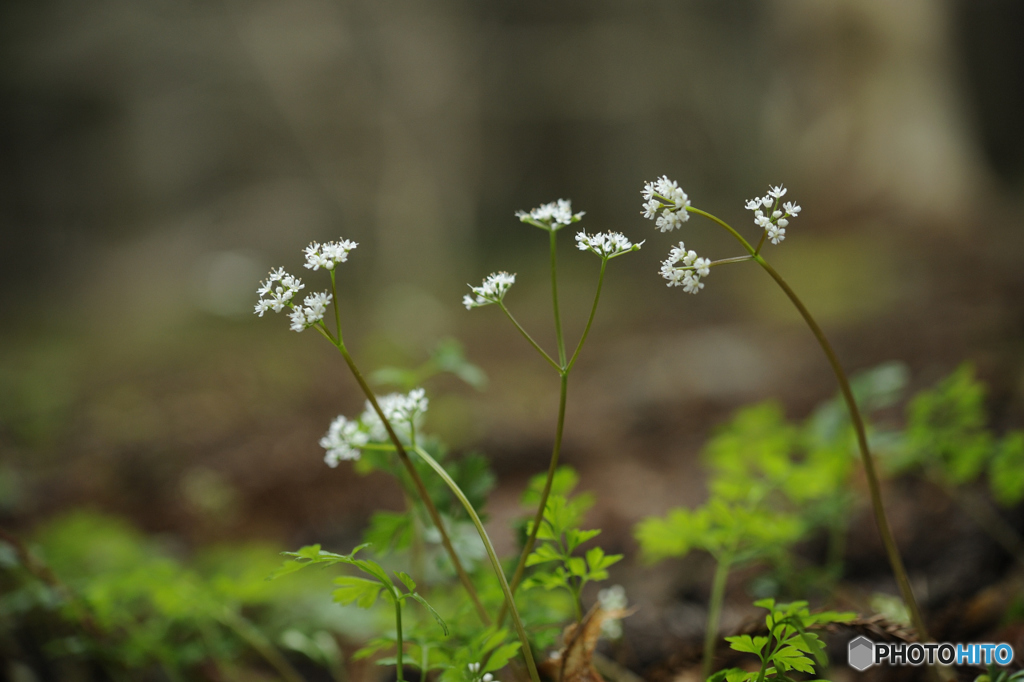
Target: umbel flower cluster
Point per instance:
(277, 292)
(551, 217)
(493, 290)
(346, 438)
(668, 206)
(774, 223)
(606, 244)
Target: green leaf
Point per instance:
(577, 566)
(287, 567)
(388, 531)
(563, 483)
(409, 583)
(791, 658)
(544, 553)
(747, 643)
(362, 592)
(575, 537)
(1006, 471)
(428, 607)
(500, 657)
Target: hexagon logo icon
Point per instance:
(861, 653)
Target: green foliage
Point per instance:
(447, 357)
(137, 606)
(788, 647)
(559, 536)
(362, 592)
(948, 439)
(734, 533)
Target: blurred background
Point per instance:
(158, 158)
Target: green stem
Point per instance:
(526, 335)
(590, 320)
(538, 517)
(399, 666)
(554, 299)
(714, 614)
(421, 489)
(495, 563)
(895, 560)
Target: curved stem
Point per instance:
(892, 551)
(263, 646)
(554, 299)
(495, 563)
(421, 489)
(538, 517)
(875, 489)
(529, 338)
(590, 320)
(714, 614)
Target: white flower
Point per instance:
(774, 225)
(553, 216)
(328, 255)
(612, 599)
(403, 411)
(474, 668)
(606, 244)
(277, 291)
(343, 441)
(688, 276)
(493, 290)
(310, 312)
(665, 195)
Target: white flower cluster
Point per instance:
(606, 244)
(493, 290)
(666, 204)
(474, 669)
(310, 312)
(553, 216)
(328, 255)
(343, 441)
(280, 288)
(775, 222)
(277, 292)
(689, 275)
(612, 599)
(346, 437)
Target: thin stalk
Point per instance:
(538, 517)
(714, 614)
(495, 563)
(554, 299)
(398, 629)
(526, 335)
(590, 320)
(892, 551)
(421, 489)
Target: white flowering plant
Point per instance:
(389, 436)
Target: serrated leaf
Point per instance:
(389, 530)
(362, 592)
(501, 656)
(287, 567)
(542, 554)
(577, 566)
(747, 643)
(791, 658)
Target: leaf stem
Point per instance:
(421, 489)
(714, 614)
(895, 560)
(526, 335)
(538, 517)
(495, 563)
(554, 298)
